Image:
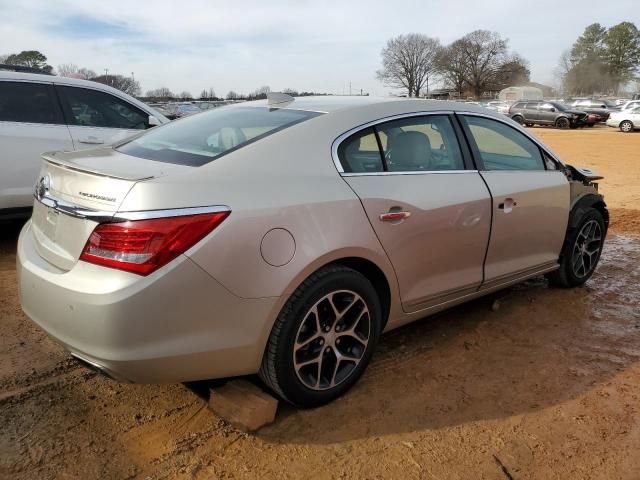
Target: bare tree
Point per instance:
(72, 71)
(408, 61)
(162, 93)
(184, 95)
(486, 53)
(125, 84)
(452, 65)
(232, 95)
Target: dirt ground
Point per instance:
(547, 386)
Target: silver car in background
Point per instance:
(282, 237)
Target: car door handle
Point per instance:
(507, 205)
(394, 216)
(91, 141)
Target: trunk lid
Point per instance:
(76, 191)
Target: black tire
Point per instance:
(563, 122)
(528, 124)
(568, 275)
(278, 370)
(626, 126)
(590, 125)
(518, 119)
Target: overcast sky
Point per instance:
(306, 45)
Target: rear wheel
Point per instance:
(518, 118)
(528, 124)
(323, 338)
(581, 250)
(626, 126)
(563, 123)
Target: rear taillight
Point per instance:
(509, 111)
(143, 246)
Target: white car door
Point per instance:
(98, 118)
(31, 123)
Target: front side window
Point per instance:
(502, 147)
(199, 139)
(28, 103)
(91, 108)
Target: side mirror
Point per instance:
(153, 121)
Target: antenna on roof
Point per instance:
(277, 98)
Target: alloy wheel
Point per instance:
(626, 126)
(586, 249)
(331, 340)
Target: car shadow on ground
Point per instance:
(542, 347)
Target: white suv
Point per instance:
(39, 113)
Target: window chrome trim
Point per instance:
(101, 216)
(410, 172)
(336, 143)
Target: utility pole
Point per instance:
(349, 88)
(106, 75)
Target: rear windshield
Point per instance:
(201, 138)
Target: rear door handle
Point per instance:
(394, 216)
(507, 205)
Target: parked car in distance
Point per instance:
(593, 107)
(282, 237)
(39, 113)
(626, 120)
(543, 112)
(629, 105)
(498, 106)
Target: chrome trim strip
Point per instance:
(173, 212)
(415, 172)
(336, 143)
(101, 216)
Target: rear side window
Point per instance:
(360, 153)
(199, 139)
(502, 147)
(28, 103)
(426, 143)
(413, 144)
(91, 108)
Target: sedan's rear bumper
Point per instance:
(178, 324)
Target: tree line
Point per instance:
(478, 62)
(602, 60)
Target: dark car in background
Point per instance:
(597, 108)
(540, 112)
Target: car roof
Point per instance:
(340, 103)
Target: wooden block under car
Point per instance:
(243, 405)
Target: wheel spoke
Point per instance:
(324, 355)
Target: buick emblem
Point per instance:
(42, 188)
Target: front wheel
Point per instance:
(626, 126)
(563, 123)
(323, 338)
(581, 250)
(518, 119)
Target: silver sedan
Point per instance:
(282, 237)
